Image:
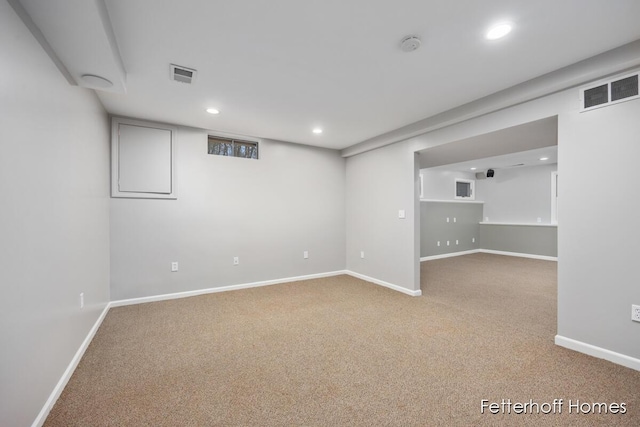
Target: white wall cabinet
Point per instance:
(142, 159)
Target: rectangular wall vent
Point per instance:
(602, 94)
(182, 74)
(596, 96)
(624, 88)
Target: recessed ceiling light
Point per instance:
(498, 31)
(544, 158)
(317, 131)
(212, 111)
(473, 169)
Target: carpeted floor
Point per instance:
(344, 352)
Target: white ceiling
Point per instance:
(506, 161)
(502, 147)
(276, 69)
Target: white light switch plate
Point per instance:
(401, 214)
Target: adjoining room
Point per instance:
(502, 203)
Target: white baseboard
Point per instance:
(385, 284)
(601, 353)
(141, 300)
(488, 251)
(532, 256)
(449, 255)
(57, 391)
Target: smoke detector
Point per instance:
(410, 43)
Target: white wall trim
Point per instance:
(142, 300)
(519, 224)
(450, 201)
(57, 391)
(601, 353)
(532, 256)
(449, 255)
(385, 284)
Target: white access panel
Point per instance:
(143, 159)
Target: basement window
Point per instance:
(464, 189)
(232, 147)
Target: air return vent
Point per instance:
(182, 74)
(602, 94)
(596, 96)
(624, 88)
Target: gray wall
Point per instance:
(463, 227)
(523, 239)
(598, 232)
(518, 194)
(54, 181)
(266, 211)
(597, 278)
(379, 184)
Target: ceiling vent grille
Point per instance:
(182, 74)
(602, 94)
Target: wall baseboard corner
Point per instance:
(57, 391)
(449, 255)
(176, 295)
(385, 284)
(66, 376)
(520, 255)
(601, 353)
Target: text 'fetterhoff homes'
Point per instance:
(506, 406)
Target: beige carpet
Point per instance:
(344, 352)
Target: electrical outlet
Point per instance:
(635, 313)
(539, 219)
(456, 242)
(305, 254)
(447, 243)
(454, 219)
(438, 242)
(402, 214)
(362, 254)
(447, 219)
(473, 240)
(174, 267)
(81, 300)
(236, 260)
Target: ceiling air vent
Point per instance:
(182, 74)
(602, 94)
